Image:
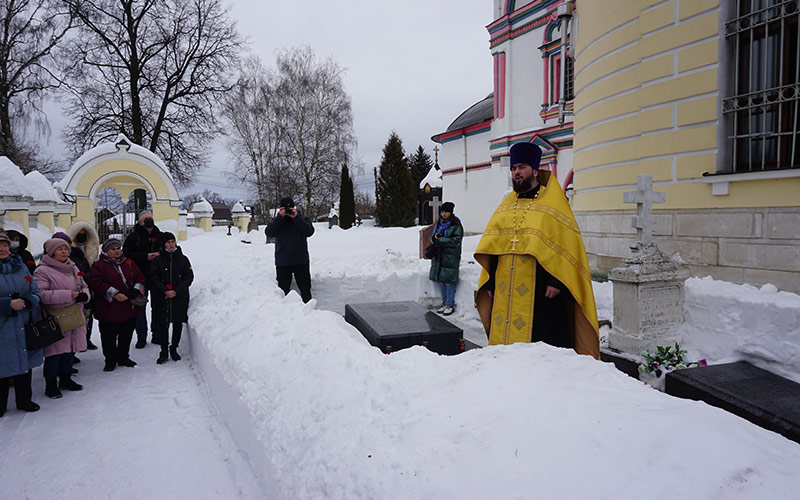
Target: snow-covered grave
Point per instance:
(318, 413)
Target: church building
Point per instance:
(529, 103)
(702, 95)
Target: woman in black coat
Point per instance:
(169, 280)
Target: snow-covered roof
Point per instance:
(434, 178)
(202, 207)
(14, 183)
(121, 147)
(238, 208)
(40, 188)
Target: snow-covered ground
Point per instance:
(318, 413)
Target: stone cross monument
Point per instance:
(648, 286)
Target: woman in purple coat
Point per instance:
(116, 281)
(61, 286)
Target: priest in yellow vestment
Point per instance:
(535, 283)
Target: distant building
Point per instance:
(429, 188)
(222, 214)
(527, 105)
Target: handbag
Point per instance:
(69, 318)
(42, 333)
(432, 251)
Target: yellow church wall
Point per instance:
(694, 166)
(84, 210)
(697, 111)
(647, 84)
(678, 35)
(595, 52)
(689, 8)
(658, 17)
(698, 55)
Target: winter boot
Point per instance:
(90, 345)
(51, 388)
(163, 357)
(173, 351)
(67, 384)
(30, 406)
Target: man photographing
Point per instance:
(291, 231)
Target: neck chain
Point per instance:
(514, 225)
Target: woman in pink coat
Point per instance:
(61, 285)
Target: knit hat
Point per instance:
(526, 153)
(51, 245)
(111, 243)
(166, 236)
(63, 236)
(4, 237)
(447, 206)
(287, 202)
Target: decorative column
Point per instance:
(648, 286)
(182, 236)
(63, 214)
(14, 210)
(44, 213)
(203, 212)
(241, 218)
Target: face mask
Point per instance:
(14, 245)
(81, 238)
(148, 223)
(171, 251)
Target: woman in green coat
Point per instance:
(447, 235)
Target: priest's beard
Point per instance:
(522, 186)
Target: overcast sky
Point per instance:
(411, 66)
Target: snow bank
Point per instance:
(727, 322)
(14, 183)
(337, 419)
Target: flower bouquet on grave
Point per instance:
(653, 370)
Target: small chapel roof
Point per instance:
(434, 178)
(479, 112)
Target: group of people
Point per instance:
(80, 280)
(531, 253)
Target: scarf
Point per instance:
(65, 267)
(442, 226)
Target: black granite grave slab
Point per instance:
(392, 326)
(763, 398)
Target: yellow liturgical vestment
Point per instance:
(522, 232)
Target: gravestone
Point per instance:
(391, 326)
(761, 397)
(648, 286)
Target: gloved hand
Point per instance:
(81, 297)
(132, 293)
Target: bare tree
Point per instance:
(317, 113)
(292, 129)
(256, 139)
(29, 30)
(153, 70)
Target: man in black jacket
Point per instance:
(142, 246)
(291, 230)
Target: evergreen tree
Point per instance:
(420, 164)
(395, 192)
(347, 200)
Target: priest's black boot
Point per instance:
(173, 351)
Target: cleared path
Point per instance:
(143, 432)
